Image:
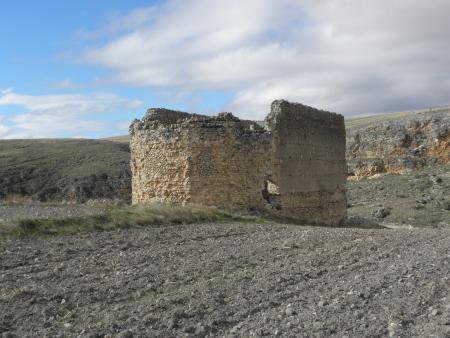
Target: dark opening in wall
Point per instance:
(270, 191)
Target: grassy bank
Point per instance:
(117, 218)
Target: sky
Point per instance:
(88, 68)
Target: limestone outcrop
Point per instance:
(294, 164)
(408, 142)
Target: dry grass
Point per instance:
(16, 199)
(122, 217)
(120, 139)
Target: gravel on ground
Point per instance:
(10, 212)
(228, 280)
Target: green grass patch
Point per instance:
(119, 218)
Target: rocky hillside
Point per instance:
(64, 170)
(80, 169)
(397, 142)
(419, 198)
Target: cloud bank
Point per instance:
(354, 57)
(65, 115)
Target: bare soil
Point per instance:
(231, 280)
(40, 210)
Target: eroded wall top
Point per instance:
(293, 164)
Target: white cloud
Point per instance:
(6, 91)
(4, 130)
(60, 115)
(343, 55)
(65, 84)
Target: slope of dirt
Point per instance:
(419, 198)
(228, 280)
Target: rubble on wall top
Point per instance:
(165, 117)
(155, 117)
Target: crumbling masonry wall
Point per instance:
(294, 165)
(198, 159)
(308, 162)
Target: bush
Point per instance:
(27, 225)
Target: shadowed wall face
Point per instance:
(309, 166)
(294, 166)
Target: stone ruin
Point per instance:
(292, 164)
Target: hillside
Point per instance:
(369, 120)
(82, 169)
(120, 139)
(398, 142)
(64, 169)
(419, 198)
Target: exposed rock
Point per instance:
(382, 212)
(410, 141)
(289, 310)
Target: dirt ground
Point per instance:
(9, 212)
(235, 280)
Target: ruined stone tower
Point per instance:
(293, 164)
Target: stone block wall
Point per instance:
(159, 159)
(229, 162)
(294, 165)
(198, 159)
(308, 162)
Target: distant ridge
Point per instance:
(365, 121)
(120, 139)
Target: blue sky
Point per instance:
(37, 34)
(87, 68)
(42, 43)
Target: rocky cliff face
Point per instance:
(398, 143)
